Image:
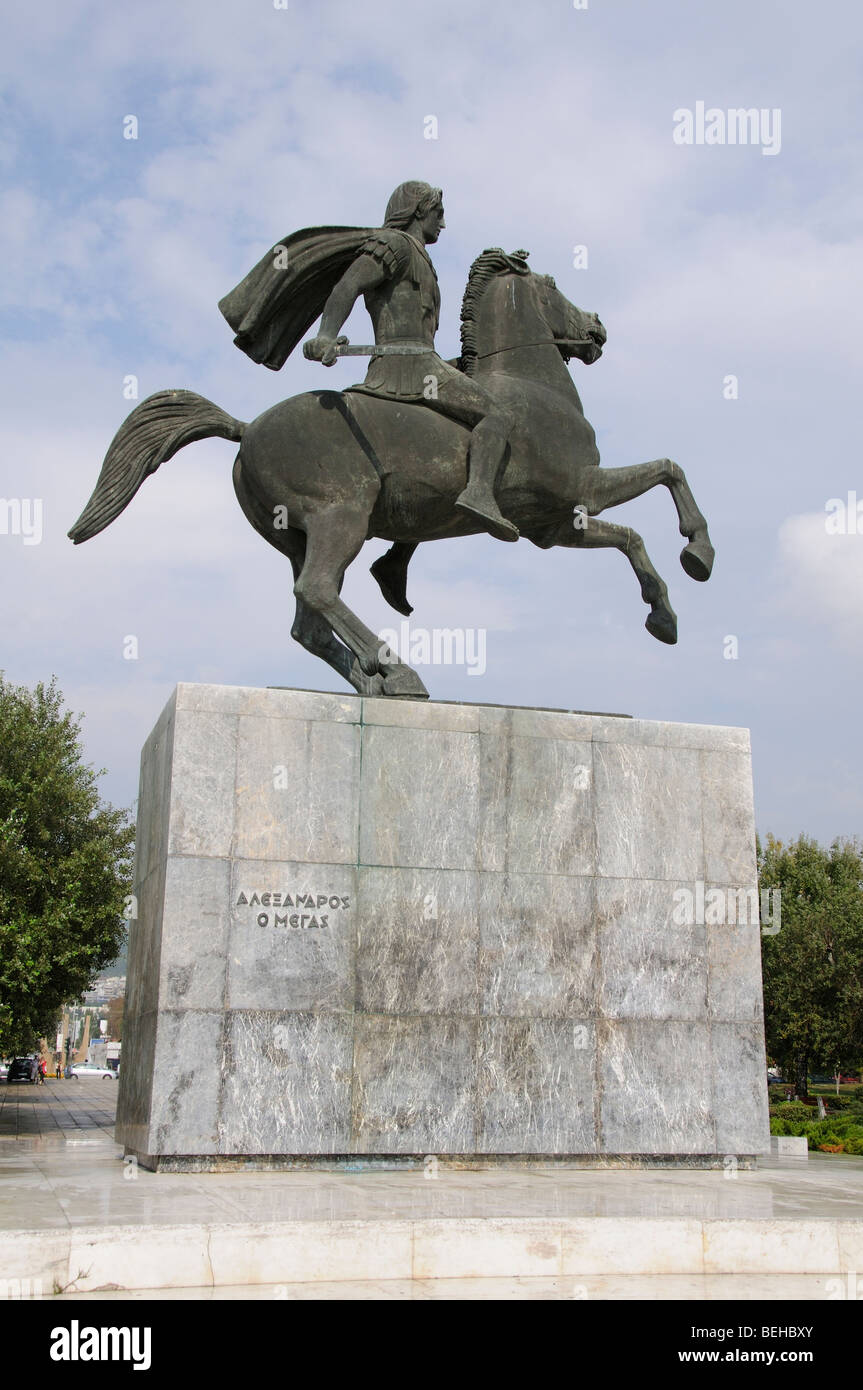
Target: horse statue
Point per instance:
(321, 473)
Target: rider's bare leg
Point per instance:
(488, 447)
(487, 454)
(391, 572)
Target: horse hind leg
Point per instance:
(315, 634)
(334, 538)
(309, 629)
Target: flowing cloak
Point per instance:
(279, 300)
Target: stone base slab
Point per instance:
(146, 1257)
(376, 927)
(412, 1163)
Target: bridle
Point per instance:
(544, 342)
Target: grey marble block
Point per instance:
(394, 928)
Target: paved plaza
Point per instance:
(58, 1107)
(76, 1218)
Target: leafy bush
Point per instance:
(832, 1101)
(846, 1124)
(791, 1110)
(801, 1110)
(839, 1134)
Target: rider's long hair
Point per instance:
(410, 200)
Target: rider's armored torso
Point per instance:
(404, 308)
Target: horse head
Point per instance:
(507, 305)
(576, 333)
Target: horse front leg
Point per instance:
(609, 487)
(661, 621)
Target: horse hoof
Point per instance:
(365, 684)
(662, 625)
(403, 683)
(697, 559)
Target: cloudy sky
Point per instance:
(554, 128)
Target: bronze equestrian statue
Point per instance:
(423, 449)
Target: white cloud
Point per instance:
(821, 574)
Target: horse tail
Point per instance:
(154, 432)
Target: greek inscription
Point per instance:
(312, 918)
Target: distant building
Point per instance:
(105, 989)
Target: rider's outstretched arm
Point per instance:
(364, 275)
(385, 255)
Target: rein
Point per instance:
(545, 342)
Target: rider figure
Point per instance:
(395, 275)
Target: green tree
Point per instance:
(813, 966)
(65, 865)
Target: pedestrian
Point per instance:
(42, 1072)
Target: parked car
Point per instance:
(4, 1070)
(23, 1069)
(90, 1069)
(775, 1080)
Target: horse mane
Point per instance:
(489, 264)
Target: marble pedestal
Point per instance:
(375, 929)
